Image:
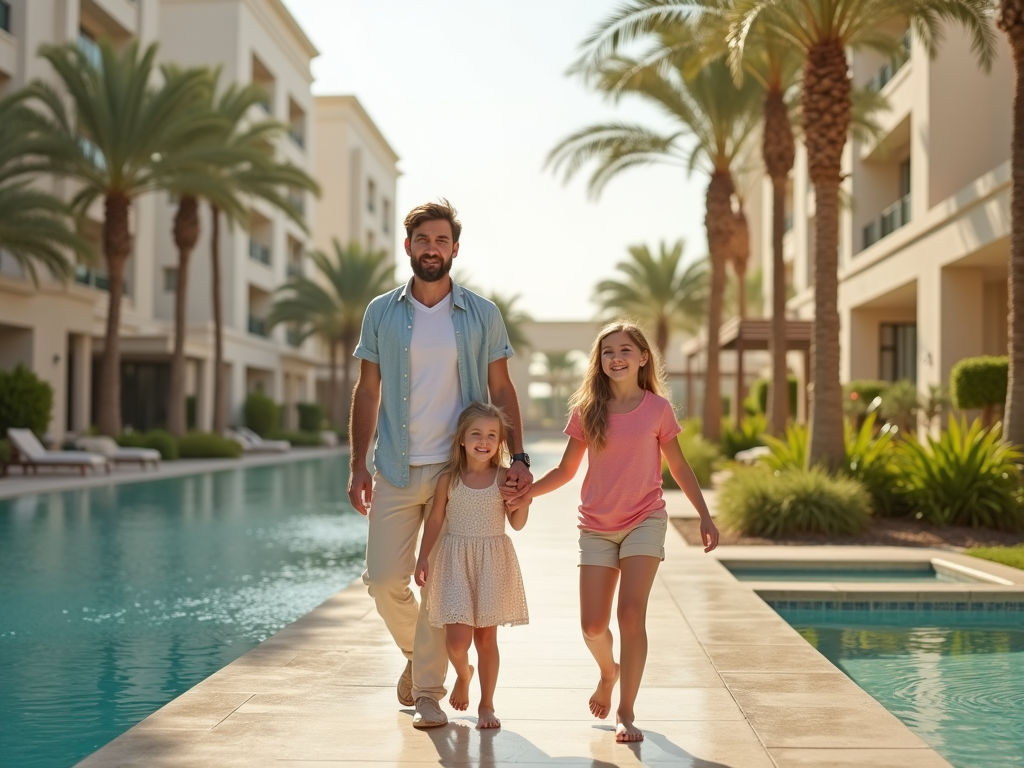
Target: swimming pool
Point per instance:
(954, 677)
(921, 572)
(119, 598)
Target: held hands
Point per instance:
(518, 482)
(422, 568)
(708, 534)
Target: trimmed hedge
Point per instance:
(262, 414)
(757, 400)
(5, 451)
(311, 416)
(158, 439)
(979, 382)
(26, 401)
(301, 438)
(206, 445)
(759, 502)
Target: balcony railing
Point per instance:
(888, 70)
(294, 269)
(294, 337)
(258, 326)
(298, 200)
(5, 16)
(88, 276)
(892, 218)
(259, 252)
(298, 136)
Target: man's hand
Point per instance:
(360, 489)
(518, 482)
(708, 534)
(422, 571)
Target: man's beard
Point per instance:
(430, 274)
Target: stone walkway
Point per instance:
(728, 684)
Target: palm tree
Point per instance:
(513, 317)
(720, 118)
(562, 374)
(110, 142)
(1010, 19)
(824, 30)
(658, 291)
(331, 306)
(773, 63)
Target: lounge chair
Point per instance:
(31, 455)
(253, 443)
(105, 446)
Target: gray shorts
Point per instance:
(607, 548)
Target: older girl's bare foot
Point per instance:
(625, 731)
(601, 701)
(487, 718)
(460, 692)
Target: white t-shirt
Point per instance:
(435, 400)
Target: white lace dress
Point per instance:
(476, 578)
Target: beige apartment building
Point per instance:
(57, 330)
(924, 246)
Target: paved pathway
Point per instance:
(728, 684)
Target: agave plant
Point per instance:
(965, 477)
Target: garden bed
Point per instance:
(888, 531)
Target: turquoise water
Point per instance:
(902, 575)
(956, 678)
(117, 599)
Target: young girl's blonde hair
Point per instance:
(457, 457)
(591, 399)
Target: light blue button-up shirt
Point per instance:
(480, 337)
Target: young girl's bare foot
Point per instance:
(625, 731)
(460, 692)
(487, 718)
(601, 701)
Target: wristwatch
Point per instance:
(523, 457)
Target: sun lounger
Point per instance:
(253, 443)
(31, 455)
(106, 446)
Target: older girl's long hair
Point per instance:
(591, 399)
(457, 455)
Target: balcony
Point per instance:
(294, 337)
(259, 252)
(258, 326)
(298, 137)
(888, 70)
(294, 269)
(297, 199)
(892, 218)
(89, 276)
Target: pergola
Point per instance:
(748, 335)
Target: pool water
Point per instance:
(956, 678)
(923, 575)
(117, 599)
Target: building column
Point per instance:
(204, 395)
(236, 393)
(81, 382)
(962, 317)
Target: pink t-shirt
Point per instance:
(623, 483)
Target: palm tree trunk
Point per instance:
(826, 121)
(1011, 20)
(186, 234)
(117, 245)
(661, 336)
(348, 345)
(779, 152)
(220, 407)
(332, 385)
(719, 222)
(740, 257)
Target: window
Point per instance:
(90, 48)
(170, 279)
(385, 212)
(898, 352)
(5, 16)
(371, 195)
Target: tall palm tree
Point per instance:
(513, 317)
(35, 226)
(660, 292)
(331, 305)
(772, 62)
(720, 118)
(562, 374)
(109, 142)
(1010, 19)
(824, 30)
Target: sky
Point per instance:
(473, 95)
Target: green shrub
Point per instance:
(162, 441)
(262, 415)
(311, 416)
(901, 403)
(757, 400)
(979, 382)
(1012, 556)
(749, 435)
(789, 452)
(759, 502)
(5, 451)
(700, 454)
(300, 438)
(966, 477)
(132, 439)
(190, 412)
(206, 445)
(859, 394)
(26, 401)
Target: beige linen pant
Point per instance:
(396, 516)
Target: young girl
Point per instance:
(622, 420)
(476, 583)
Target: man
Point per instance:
(427, 350)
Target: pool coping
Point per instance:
(729, 682)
